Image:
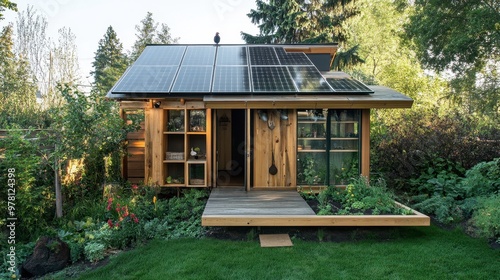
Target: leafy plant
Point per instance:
(94, 251)
(487, 216)
(483, 178)
(358, 198)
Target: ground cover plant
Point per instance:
(405, 253)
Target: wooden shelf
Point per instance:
(182, 141)
(196, 161)
(311, 151)
(343, 122)
(173, 161)
(344, 138)
(311, 138)
(313, 122)
(174, 185)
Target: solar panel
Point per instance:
(161, 55)
(193, 79)
(145, 79)
(231, 79)
(232, 55)
(292, 58)
(199, 55)
(272, 79)
(348, 85)
(308, 79)
(263, 56)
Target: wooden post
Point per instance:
(57, 183)
(124, 165)
(365, 143)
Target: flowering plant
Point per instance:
(119, 214)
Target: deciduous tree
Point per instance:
(461, 38)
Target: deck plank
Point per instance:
(236, 201)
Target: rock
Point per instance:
(49, 255)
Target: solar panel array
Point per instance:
(348, 85)
(207, 69)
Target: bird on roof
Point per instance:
(217, 38)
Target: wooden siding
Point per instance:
(283, 139)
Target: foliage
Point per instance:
(109, 62)
(17, 90)
(132, 215)
(23, 251)
(419, 140)
(7, 4)
(94, 251)
(461, 37)
(453, 199)
(308, 22)
(289, 22)
(487, 216)
(88, 127)
(147, 33)
(483, 178)
(456, 34)
(377, 31)
(34, 202)
(360, 197)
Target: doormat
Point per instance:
(275, 240)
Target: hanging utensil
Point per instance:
(273, 170)
(270, 121)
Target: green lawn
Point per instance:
(415, 253)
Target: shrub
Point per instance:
(419, 140)
(94, 251)
(483, 179)
(487, 216)
(34, 196)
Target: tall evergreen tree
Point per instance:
(164, 36)
(145, 35)
(300, 21)
(148, 33)
(304, 21)
(109, 61)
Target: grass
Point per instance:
(414, 253)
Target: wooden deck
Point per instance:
(228, 206)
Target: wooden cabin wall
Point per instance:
(284, 138)
(153, 145)
(133, 169)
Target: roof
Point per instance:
(220, 73)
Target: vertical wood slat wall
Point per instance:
(284, 138)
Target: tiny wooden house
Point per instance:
(254, 116)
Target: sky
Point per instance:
(194, 21)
